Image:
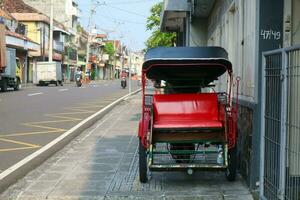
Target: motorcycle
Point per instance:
(78, 79)
(123, 82)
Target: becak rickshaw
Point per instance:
(186, 124)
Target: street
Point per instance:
(34, 116)
(102, 163)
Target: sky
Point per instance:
(123, 20)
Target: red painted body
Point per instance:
(186, 111)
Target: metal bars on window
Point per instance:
(280, 134)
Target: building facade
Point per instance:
(25, 47)
(65, 12)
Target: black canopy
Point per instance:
(186, 63)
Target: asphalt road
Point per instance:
(32, 117)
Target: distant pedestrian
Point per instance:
(87, 76)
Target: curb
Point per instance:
(20, 169)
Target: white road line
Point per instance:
(34, 94)
(61, 90)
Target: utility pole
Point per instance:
(51, 33)
(129, 85)
(88, 39)
(115, 61)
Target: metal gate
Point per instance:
(280, 138)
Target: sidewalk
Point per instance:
(102, 163)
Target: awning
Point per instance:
(173, 15)
(20, 41)
(61, 30)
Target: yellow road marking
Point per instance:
(45, 127)
(50, 121)
(17, 149)
(70, 113)
(82, 108)
(27, 145)
(65, 119)
(19, 142)
(31, 133)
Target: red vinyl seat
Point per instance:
(186, 111)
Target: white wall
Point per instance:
(295, 22)
(198, 32)
(236, 32)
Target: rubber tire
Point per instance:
(17, 87)
(232, 165)
(142, 163)
(4, 86)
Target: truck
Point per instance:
(9, 64)
(48, 73)
(10, 73)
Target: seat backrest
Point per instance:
(203, 106)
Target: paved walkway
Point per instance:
(102, 163)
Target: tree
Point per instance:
(109, 49)
(157, 37)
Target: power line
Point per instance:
(127, 11)
(124, 2)
(121, 20)
(129, 2)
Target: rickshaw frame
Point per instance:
(146, 124)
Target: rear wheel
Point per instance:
(4, 86)
(142, 163)
(18, 85)
(232, 162)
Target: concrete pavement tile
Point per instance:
(65, 161)
(29, 196)
(51, 176)
(41, 187)
(197, 197)
(238, 197)
(148, 196)
(124, 167)
(59, 168)
(99, 158)
(94, 168)
(88, 176)
(79, 189)
(75, 198)
(34, 175)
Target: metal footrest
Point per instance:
(186, 166)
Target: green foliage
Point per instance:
(158, 38)
(109, 49)
(153, 20)
(79, 27)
